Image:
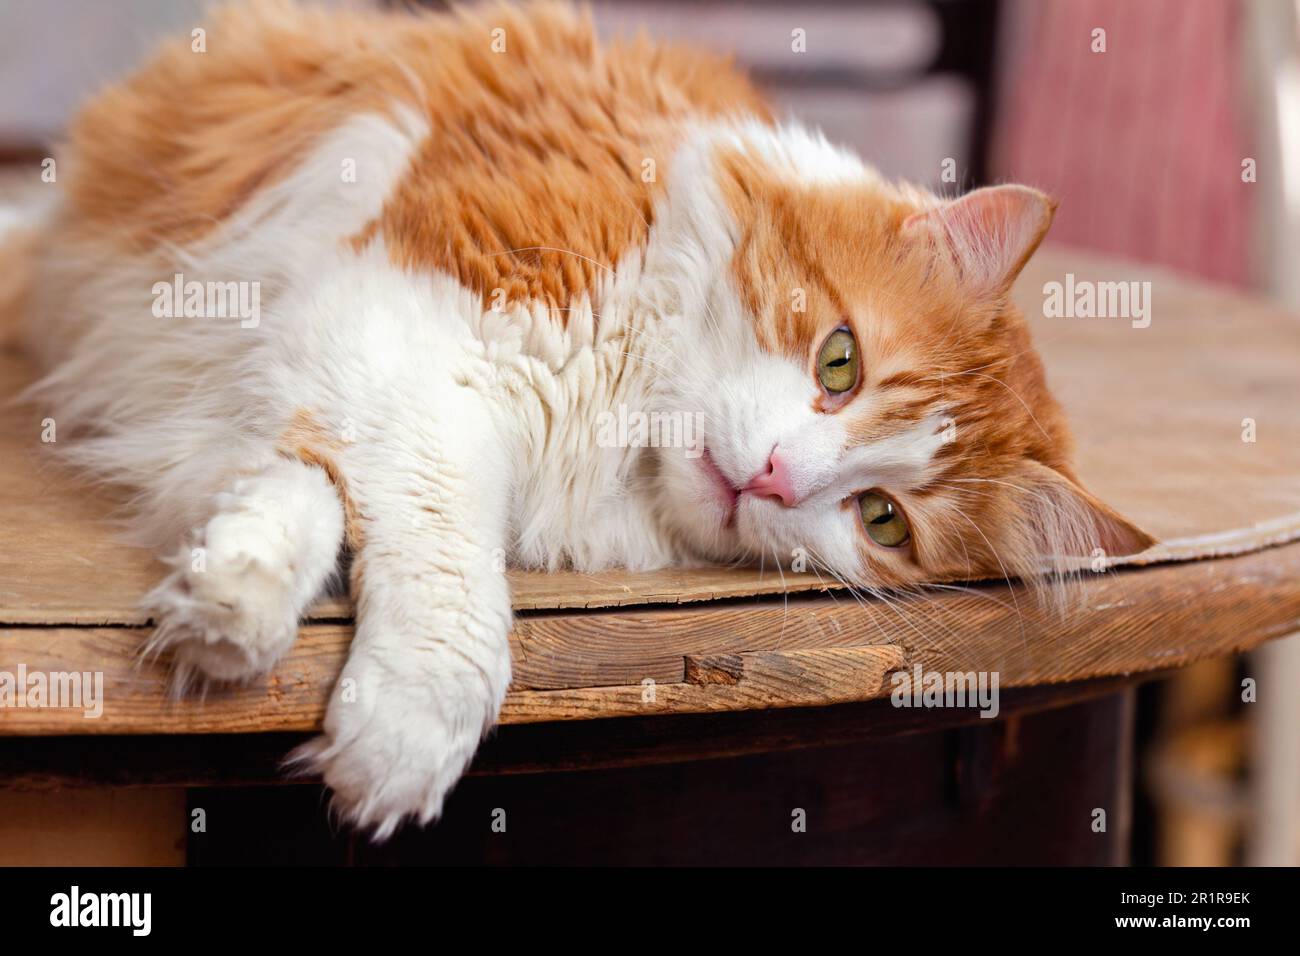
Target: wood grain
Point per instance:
(755, 681)
(759, 654)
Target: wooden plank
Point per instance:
(1128, 622)
(752, 681)
(559, 651)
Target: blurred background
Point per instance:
(1144, 117)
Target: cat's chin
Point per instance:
(710, 515)
(722, 496)
(717, 535)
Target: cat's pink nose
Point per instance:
(774, 482)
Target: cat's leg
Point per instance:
(230, 608)
(430, 661)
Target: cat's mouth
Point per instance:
(723, 492)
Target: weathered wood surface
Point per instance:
(757, 654)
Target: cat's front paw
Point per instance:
(229, 610)
(394, 747)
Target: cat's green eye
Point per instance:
(885, 524)
(837, 362)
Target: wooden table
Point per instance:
(690, 716)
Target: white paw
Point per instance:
(228, 617)
(394, 746)
(230, 609)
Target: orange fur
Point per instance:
(165, 156)
(17, 250)
(539, 149)
(306, 440)
(542, 166)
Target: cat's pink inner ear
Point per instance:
(989, 233)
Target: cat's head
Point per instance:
(869, 399)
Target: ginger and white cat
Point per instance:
(461, 242)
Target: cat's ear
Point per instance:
(988, 234)
(1034, 523)
(1071, 522)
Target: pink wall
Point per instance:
(1143, 144)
